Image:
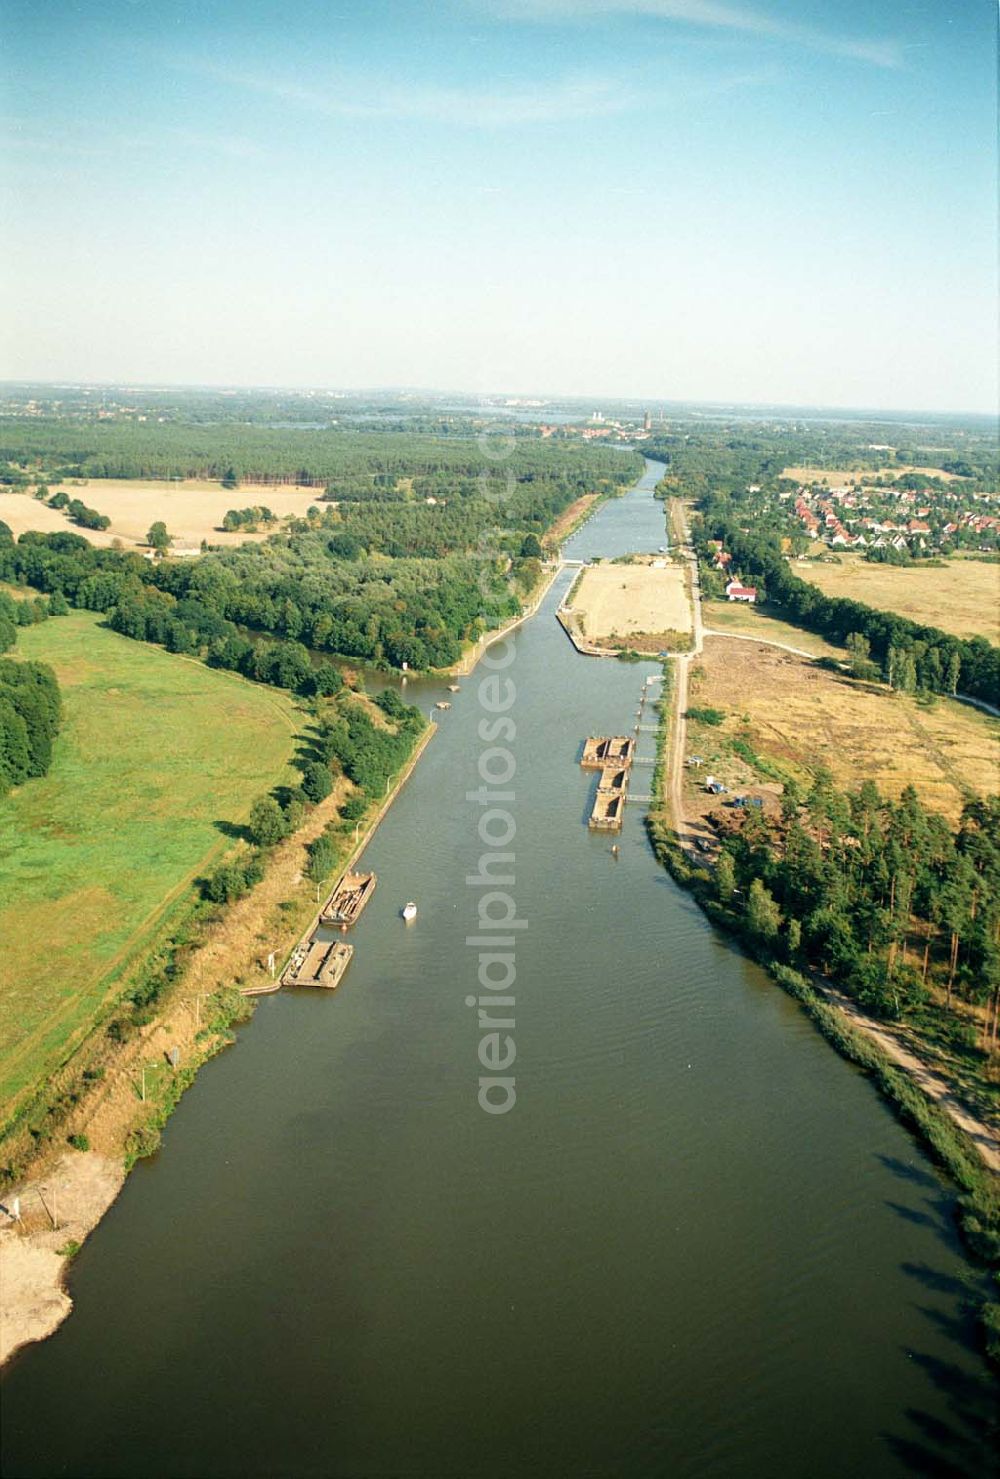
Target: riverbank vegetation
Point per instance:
(887, 903)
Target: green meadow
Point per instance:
(155, 751)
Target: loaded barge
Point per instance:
(348, 899)
(320, 963)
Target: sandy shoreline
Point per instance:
(33, 1256)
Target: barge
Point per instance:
(602, 750)
(608, 812)
(320, 963)
(348, 899)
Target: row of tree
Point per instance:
(30, 705)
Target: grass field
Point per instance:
(155, 751)
(756, 621)
(962, 596)
(192, 510)
(801, 716)
(632, 601)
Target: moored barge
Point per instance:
(320, 963)
(348, 899)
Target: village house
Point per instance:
(737, 592)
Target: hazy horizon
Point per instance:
(596, 399)
(750, 204)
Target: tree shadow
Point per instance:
(908, 1172)
(935, 1280)
(233, 830)
(938, 1219)
(961, 1444)
(306, 751)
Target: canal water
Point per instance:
(698, 1245)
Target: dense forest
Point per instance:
(345, 460)
(880, 896)
(30, 705)
(383, 571)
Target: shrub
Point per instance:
(323, 856)
(267, 824)
(317, 783)
(233, 879)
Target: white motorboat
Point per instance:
(409, 911)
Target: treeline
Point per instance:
(882, 897)
(941, 662)
(78, 511)
(262, 454)
(30, 705)
(369, 755)
(192, 628)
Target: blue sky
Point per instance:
(780, 201)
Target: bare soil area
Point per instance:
(840, 477)
(632, 601)
(800, 716)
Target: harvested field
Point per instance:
(633, 602)
(23, 514)
(192, 510)
(795, 716)
(157, 755)
(962, 596)
(840, 477)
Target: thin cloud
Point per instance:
(711, 13)
(488, 107)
